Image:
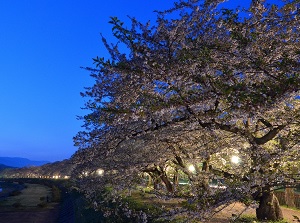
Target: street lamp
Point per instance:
(100, 172)
(191, 168)
(235, 159)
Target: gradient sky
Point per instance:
(43, 44)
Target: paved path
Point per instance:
(47, 216)
(67, 213)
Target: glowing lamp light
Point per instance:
(235, 159)
(100, 172)
(191, 168)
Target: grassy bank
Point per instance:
(31, 196)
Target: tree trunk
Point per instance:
(205, 168)
(156, 183)
(175, 179)
(160, 175)
(167, 183)
(269, 208)
(289, 197)
(149, 181)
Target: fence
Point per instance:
(281, 198)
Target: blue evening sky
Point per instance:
(43, 44)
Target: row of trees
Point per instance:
(59, 169)
(201, 85)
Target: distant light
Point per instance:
(100, 172)
(191, 168)
(235, 159)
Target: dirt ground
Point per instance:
(235, 209)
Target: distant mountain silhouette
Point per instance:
(2, 167)
(20, 162)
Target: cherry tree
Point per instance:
(202, 81)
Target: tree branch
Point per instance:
(269, 136)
